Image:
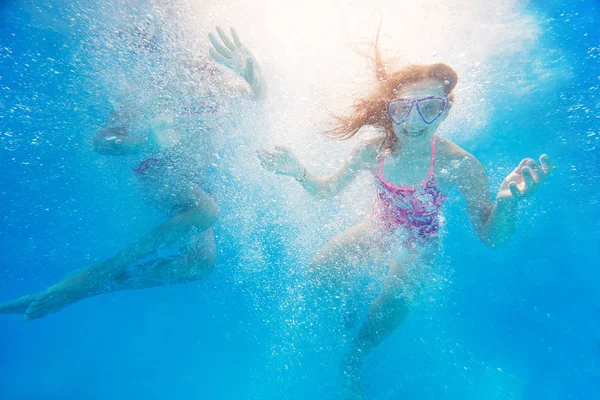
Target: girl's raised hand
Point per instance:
(281, 161)
(525, 179)
(234, 55)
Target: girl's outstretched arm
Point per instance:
(495, 222)
(284, 162)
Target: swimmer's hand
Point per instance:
(235, 56)
(525, 179)
(281, 161)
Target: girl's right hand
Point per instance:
(281, 161)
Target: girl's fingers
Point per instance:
(283, 150)
(546, 162)
(514, 189)
(528, 180)
(522, 164)
(274, 153)
(268, 161)
(263, 157)
(225, 39)
(536, 171)
(236, 38)
(262, 151)
(219, 58)
(218, 46)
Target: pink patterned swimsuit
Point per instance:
(415, 209)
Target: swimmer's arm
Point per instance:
(113, 138)
(283, 161)
(333, 184)
(494, 222)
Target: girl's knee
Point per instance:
(210, 210)
(204, 214)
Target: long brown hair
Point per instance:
(372, 109)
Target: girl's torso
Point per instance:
(411, 191)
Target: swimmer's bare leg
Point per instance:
(329, 269)
(194, 263)
(100, 278)
(386, 314)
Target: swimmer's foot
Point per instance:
(352, 387)
(58, 297)
(17, 306)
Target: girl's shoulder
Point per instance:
(455, 159)
(450, 151)
(371, 149)
(365, 153)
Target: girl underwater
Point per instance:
(171, 180)
(413, 171)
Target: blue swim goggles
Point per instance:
(430, 108)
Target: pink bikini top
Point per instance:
(416, 209)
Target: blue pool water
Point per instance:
(522, 322)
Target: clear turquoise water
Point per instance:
(519, 323)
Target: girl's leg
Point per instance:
(195, 261)
(333, 263)
(332, 269)
(108, 276)
(386, 313)
(199, 217)
(192, 264)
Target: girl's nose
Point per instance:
(413, 117)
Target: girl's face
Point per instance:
(418, 109)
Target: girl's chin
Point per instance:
(413, 133)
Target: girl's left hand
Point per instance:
(235, 56)
(525, 179)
